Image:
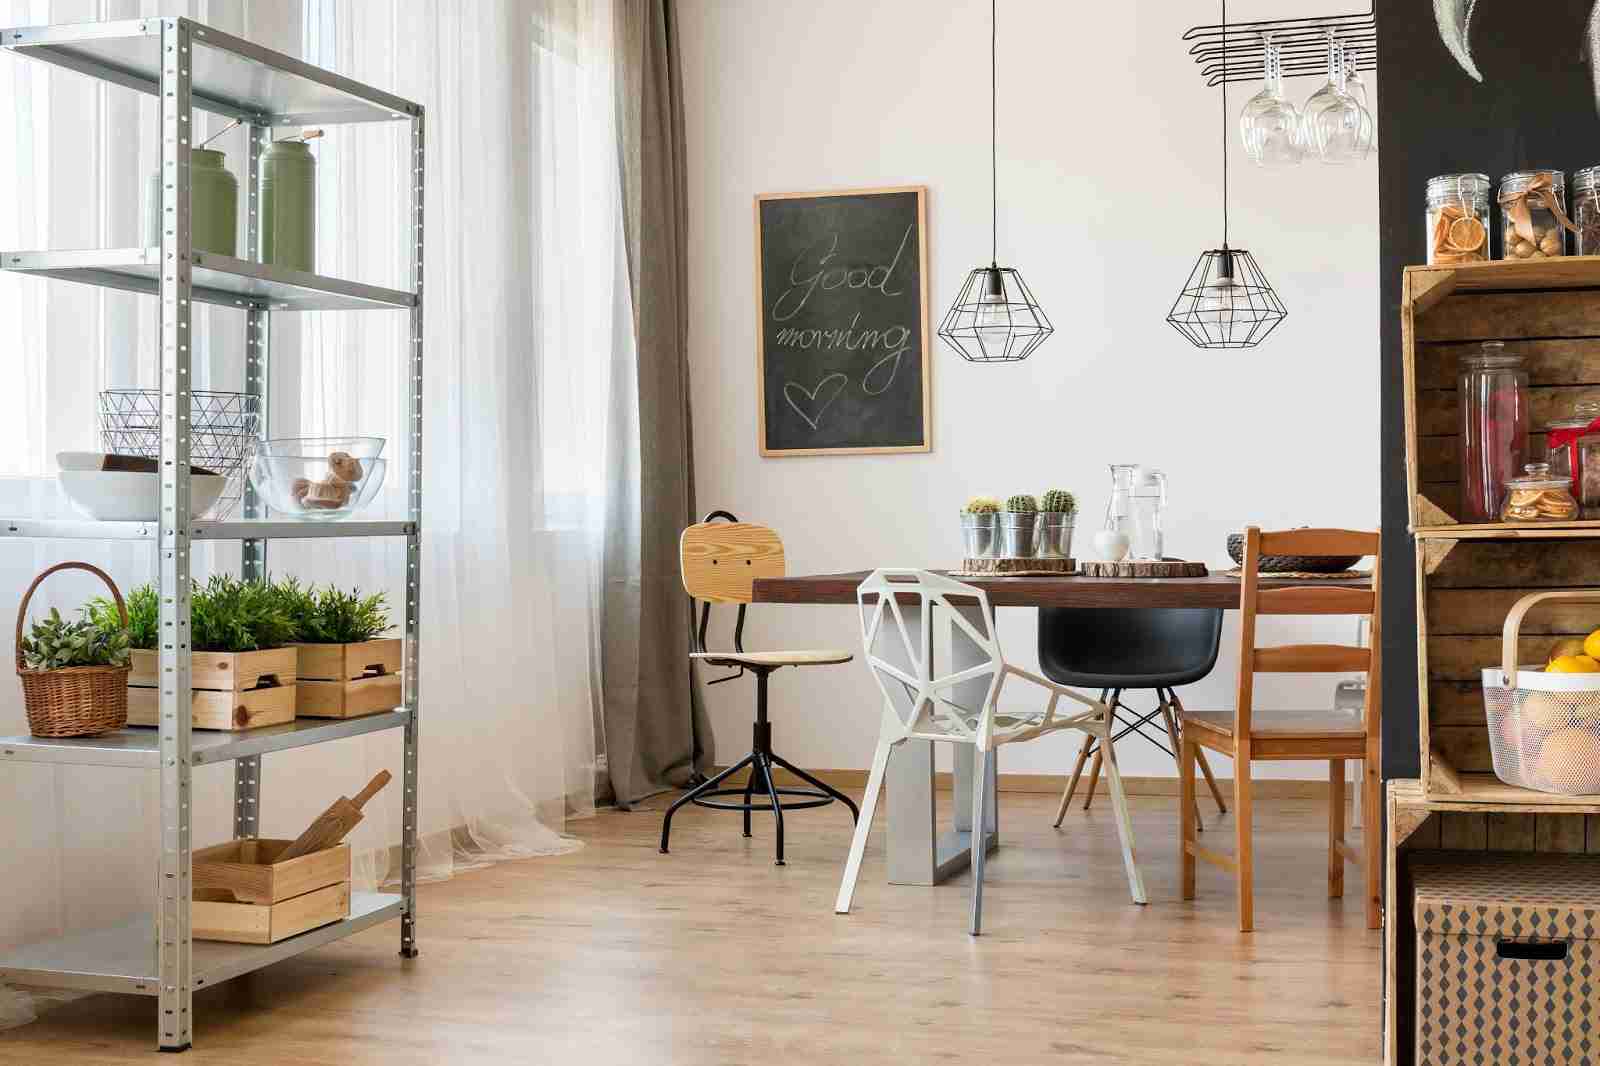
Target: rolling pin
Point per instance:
(335, 823)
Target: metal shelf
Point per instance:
(140, 748)
(122, 958)
(241, 529)
(217, 279)
(230, 76)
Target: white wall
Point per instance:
(1109, 177)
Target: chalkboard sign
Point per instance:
(842, 339)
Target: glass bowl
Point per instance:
(307, 486)
(360, 447)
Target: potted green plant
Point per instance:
(74, 675)
(347, 668)
(978, 520)
(241, 669)
(1058, 509)
(1019, 528)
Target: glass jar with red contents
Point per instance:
(1493, 390)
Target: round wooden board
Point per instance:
(1144, 568)
(1018, 566)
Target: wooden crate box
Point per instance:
(349, 680)
(241, 895)
(231, 690)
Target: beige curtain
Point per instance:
(656, 732)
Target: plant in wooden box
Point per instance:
(978, 520)
(240, 668)
(347, 668)
(1019, 527)
(1057, 509)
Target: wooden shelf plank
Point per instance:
(1563, 272)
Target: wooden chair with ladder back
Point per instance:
(1308, 735)
(720, 561)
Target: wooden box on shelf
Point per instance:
(1470, 575)
(241, 895)
(231, 690)
(348, 680)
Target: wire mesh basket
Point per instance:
(223, 430)
(1544, 727)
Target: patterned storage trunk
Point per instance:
(1506, 959)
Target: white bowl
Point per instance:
(124, 496)
(80, 460)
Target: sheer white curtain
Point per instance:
(527, 322)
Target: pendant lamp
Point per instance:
(995, 318)
(1227, 301)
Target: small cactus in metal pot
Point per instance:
(1022, 505)
(981, 505)
(1058, 501)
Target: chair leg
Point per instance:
(1072, 783)
(1336, 804)
(1243, 856)
(1200, 755)
(1177, 749)
(980, 793)
(858, 842)
(1186, 816)
(1094, 773)
(749, 790)
(704, 786)
(821, 786)
(1119, 804)
(777, 808)
(1372, 838)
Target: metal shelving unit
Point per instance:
(187, 67)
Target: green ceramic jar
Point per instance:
(213, 204)
(289, 206)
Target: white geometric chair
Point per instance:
(920, 705)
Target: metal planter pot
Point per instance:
(1019, 535)
(1055, 535)
(977, 534)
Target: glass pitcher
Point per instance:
(1138, 501)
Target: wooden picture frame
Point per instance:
(917, 403)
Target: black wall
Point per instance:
(1535, 108)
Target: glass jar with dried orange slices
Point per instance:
(1458, 218)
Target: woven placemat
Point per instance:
(1300, 575)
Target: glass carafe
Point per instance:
(1116, 532)
(1493, 391)
(1148, 505)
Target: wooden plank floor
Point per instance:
(618, 955)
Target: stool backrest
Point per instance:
(921, 699)
(1318, 599)
(719, 560)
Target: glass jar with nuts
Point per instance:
(1539, 496)
(1533, 214)
(1586, 209)
(1458, 218)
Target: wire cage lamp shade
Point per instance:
(995, 318)
(1227, 302)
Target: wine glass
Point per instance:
(1334, 125)
(1356, 85)
(1269, 125)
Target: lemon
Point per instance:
(1574, 664)
(1591, 645)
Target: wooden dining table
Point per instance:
(918, 852)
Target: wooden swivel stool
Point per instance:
(720, 561)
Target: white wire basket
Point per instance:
(1544, 728)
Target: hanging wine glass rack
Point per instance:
(1303, 43)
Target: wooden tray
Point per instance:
(976, 567)
(1144, 568)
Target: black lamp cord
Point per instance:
(1224, 125)
(994, 138)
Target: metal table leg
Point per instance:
(919, 854)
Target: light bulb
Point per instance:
(992, 323)
(1219, 303)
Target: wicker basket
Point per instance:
(1544, 728)
(78, 701)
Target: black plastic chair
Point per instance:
(1118, 649)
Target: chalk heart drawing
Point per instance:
(816, 400)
